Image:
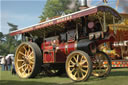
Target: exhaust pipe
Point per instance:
(83, 4)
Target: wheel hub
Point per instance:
(26, 60)
(77, 65)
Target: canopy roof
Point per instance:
(69, 17)
(124, 15)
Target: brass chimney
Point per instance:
(83, 4)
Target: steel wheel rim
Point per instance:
(24, 61)
(101, 65)
(77, 67)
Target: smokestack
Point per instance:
(83, 4)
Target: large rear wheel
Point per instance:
(78, 66)
(28, 60)
(101, 64)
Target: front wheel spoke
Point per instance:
(25, 50)
(28, 69)
(31, 61)
(31, 58)
(24, 71)
(30, 66)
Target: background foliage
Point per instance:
(58, 7)
(8, 43)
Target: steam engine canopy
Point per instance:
(58, 24)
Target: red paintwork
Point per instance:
(59, 54)
(62, 48)
(48, 57)
(111, 38)
(48, 48)
(121, 34)
(71, 47)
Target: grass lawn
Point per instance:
(117, 77)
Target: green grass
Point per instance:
(117, 77)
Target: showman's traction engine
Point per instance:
(68, 42)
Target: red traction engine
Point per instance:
(68, 42)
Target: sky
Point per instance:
(20, 12)
(26, 12)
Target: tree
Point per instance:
(10, 42)
(58, 7)
(13, 27)
(2, 47)
(1, 37)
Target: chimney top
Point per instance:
(83, 4)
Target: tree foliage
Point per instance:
(8, 43)
(1, 37)
(58, 7)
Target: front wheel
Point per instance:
(101, 64)
(28, 60)
(78, 66)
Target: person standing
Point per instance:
(3, 63)
(9, 62)
(13, 68)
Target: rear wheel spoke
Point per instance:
(77, 65)
(84, 66)
(72, 62)
(77, 58)
(75, 73)
(85, 71)
(72, 69)
(100, 70)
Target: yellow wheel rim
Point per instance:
(24, 60)
(77, 67)
(101, 65)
